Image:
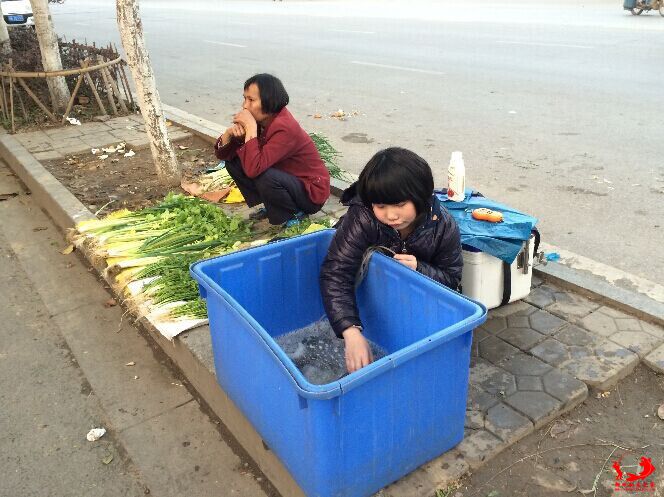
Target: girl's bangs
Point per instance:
(383, 189)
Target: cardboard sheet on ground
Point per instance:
(158, 317)
(195, 189)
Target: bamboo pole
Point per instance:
(20, 101)
(109, 91)
(51, 74)
(5, 110)
(88, 79)
(36, 99)
(11, 102)
(126, 82)
(123, 107)
(73, 96)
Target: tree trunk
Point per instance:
(5, 43)
(50, 52)
(133, 42)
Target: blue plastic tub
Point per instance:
(356, 435)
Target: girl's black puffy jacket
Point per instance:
(435, 243)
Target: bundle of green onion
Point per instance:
(329, 154)
(158, 244)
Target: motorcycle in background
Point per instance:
(636, 7)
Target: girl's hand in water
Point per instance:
(358, 351)
(407, 260)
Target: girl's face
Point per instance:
(398, 216)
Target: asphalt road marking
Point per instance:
(351, 31)
(398, 68)
(537, 44)
(225, 44)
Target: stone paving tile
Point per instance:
(494, 349)
(529, 384)
(492, 379)
(507, 424)
(594, 360)
(636, 335)
(545, 322)
(524, 365)
(99, 140)
(48, 155)
(515, 307)
(564, 387)
(539, 407)
(474, 419)
(655, 360)
(565, 304)
(70, 145)
(57, 134)
(523, 338)
(478, 447)
(479, 400)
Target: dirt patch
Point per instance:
(131, 182)
(566, 456)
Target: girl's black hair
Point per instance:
(396, 175)
(273, 94)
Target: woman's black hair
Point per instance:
(396, 175)
(273, 94)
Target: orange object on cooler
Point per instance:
(484, 214)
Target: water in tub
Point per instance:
(318, 353)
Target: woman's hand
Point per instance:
(358, 351)
(407, 260)
(247, 121)
(233, 131)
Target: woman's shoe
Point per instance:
(296, 220)
(258, 215)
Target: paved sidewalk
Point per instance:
(531, 361)
(57, 143)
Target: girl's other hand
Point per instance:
(407, 260)
(358, 351)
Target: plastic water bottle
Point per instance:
(456, 178)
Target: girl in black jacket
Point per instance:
(391, 205)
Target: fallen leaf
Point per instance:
(103, 157)
(182, 147)
(7, 196)
(132, 363)
(169, 123)
(39, 228)
(110, 303)
(67, 250)
(131, 153)
(107, 459)
(318, 116)
(109, 150)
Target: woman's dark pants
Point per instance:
(282, 194)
